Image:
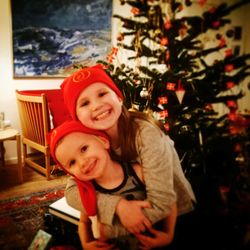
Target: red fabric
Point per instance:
(57, 106)
(73, 85)
(86, 188)
(55, 102)
(66, 128)
(88, 196)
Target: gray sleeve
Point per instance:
(72, 195)
(156, 155)
(106, 205)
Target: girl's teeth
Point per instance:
(101, 116)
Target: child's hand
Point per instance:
(158, 239)
(97, 244)
(131, 216)
(102, 232)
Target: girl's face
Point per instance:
(84, 156)
(98, 107)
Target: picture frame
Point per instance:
(41, 241)
(54, 38)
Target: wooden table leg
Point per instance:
(19, 158)
(2, 153)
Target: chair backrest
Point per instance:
(34, 117)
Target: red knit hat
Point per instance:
(66, 128)
(86, 188)
(73, 85)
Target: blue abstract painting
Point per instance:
(53, 37)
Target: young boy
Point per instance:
(84, 153)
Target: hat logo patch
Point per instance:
(81, 75)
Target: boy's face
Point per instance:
(98, 107)
(82, 155)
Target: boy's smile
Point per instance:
(83, 155)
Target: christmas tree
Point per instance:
(160, 63)
(165, 73)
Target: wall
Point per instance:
(8, 85)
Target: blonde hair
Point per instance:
(128, 129)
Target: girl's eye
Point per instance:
(84, 148)
(103, 93)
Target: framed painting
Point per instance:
(53, 38)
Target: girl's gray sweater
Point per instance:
(164, 179)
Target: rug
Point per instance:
(22, 217)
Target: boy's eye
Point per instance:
(84, 103)
(84, 148)
(72, 162)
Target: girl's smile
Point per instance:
(102, 115)
(99, 107)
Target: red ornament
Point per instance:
(164, 41)
(202, 2)
(180, 7)
(163, 100)
(168, 25)
(182, 31)
(135, 11)
(232, 116)
(114, 51)
(163, 114)
(228, 52)
(166, 126)
(209, 107)
(232, 104)
(233, 130)
(229, 67)
(110, 58)
(212, 10)
(237, 147)
(170, 86)
(167, 55)
(180, 92)
(222, 42)
(216, 24)
(230, 84)
(120, 37)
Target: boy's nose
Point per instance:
(82, 162)
(95, 105)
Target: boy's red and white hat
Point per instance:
(73, 85)
(86, 188)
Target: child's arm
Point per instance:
(134, 220)
(107, 208)
(86, 236)
(107, 205)
(160, 238)
(84, 230)
(159, 162)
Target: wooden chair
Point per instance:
(35, 125)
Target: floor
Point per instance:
(33, 182)
(221, 221)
